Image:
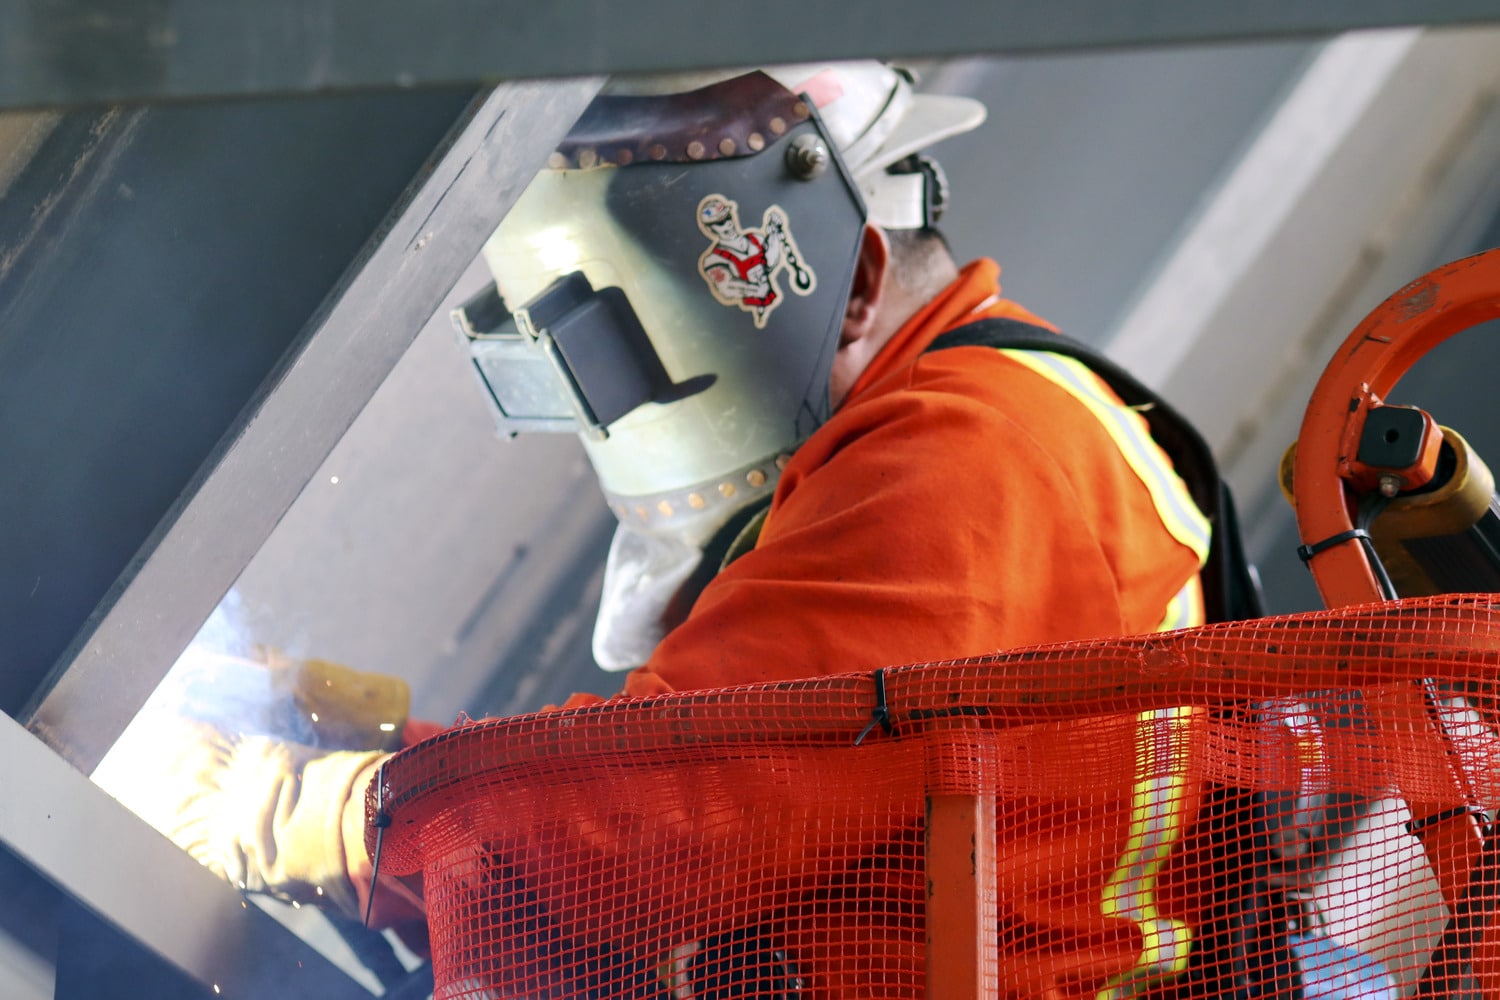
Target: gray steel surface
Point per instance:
(1088, 165)
(299, 414)
(28, 931)
(68, 52)
(97, 851)
(155, 266)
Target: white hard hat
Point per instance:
(873, 115)
(878, 120)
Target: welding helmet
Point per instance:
(673, 284)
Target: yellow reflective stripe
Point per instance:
(1186, 609)
(1162, 937)
(1160, 797)
(1132, 435)
(1157, 821)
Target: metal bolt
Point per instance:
(1390, 485)
(807, 157)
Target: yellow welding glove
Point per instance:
(266, 813)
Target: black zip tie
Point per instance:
(1306, 552)
(382, 820)
(1369, 509)
(881, 714)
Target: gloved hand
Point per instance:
(268, 814)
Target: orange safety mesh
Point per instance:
(1222, 811)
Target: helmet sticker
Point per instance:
(741, 265)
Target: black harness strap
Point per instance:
(1231, 591)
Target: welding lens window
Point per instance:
(523, 383)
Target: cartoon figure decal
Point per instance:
(741, 265)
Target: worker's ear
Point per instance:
(869, 288)
(866, 325)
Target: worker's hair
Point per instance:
(921, 261)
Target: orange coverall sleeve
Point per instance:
(962, 506)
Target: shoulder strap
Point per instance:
(1231, 590)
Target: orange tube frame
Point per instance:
(1445, 301)
(962, 893)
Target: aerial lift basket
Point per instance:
(746, 842)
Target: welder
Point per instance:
(829, 448)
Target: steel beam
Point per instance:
(69, 52)
(352, 344)
(157, 264)
(97, 851)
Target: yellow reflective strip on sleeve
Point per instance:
(1175, 613)
(1157, 820)
(1132, 435)
(1161, 796)
(1160, 937)
(1186, 609)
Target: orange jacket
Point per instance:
(960, 503)
(956, 504)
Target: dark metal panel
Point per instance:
(96, 959)
(302, 411)
(97, 851)
(29, 926)
(59, 52)
(155, 265)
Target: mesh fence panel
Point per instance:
(1276, 808)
